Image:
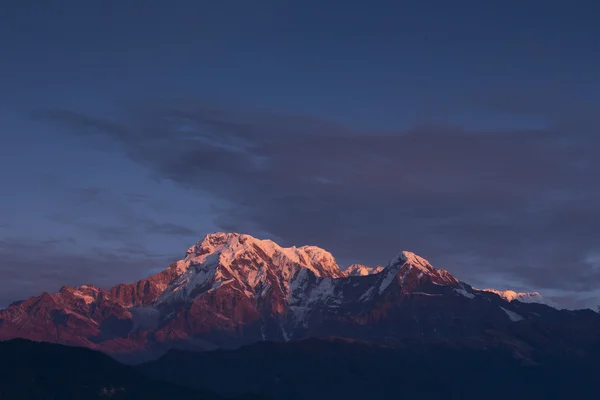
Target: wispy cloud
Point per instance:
(127, 222)
(519, 203)
(28, 268)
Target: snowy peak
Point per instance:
(510, 295)
(409, 260)
(248, 265)
(227, 247)
(85, 293)
(361, 270)
(523, 297)
(406, 262)
(213, 242)
(411, 272)
(412, 259)
(320, 261)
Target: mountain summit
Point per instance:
(361, 270)
(524, 297)
(232, 289)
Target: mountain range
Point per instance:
(232, 290)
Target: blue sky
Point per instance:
(464, 131)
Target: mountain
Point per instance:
(361, 270)
(490, 367)
(526, 297)
(232, 289)
(31, 370)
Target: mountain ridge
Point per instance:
(525, 297)
(361, 270)
(232, 289)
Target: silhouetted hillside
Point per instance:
(341, 369)
(41, 371)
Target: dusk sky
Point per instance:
(464, 131)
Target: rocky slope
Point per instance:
(233, 289)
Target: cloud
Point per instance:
(124, 220)
(518, 204)
(29, 268)
(100, 236)
(170, 229)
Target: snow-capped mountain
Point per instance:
(232, 289)
(361, 270)
(524, 297)
(255, 267)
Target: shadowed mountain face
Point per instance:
(38, 371)
(232, 290)
(469, 368)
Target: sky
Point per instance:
(464, 131)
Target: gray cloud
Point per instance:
(112, 238)
(170, 229)
(129, 225)
(28, 268)
(518, 204)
